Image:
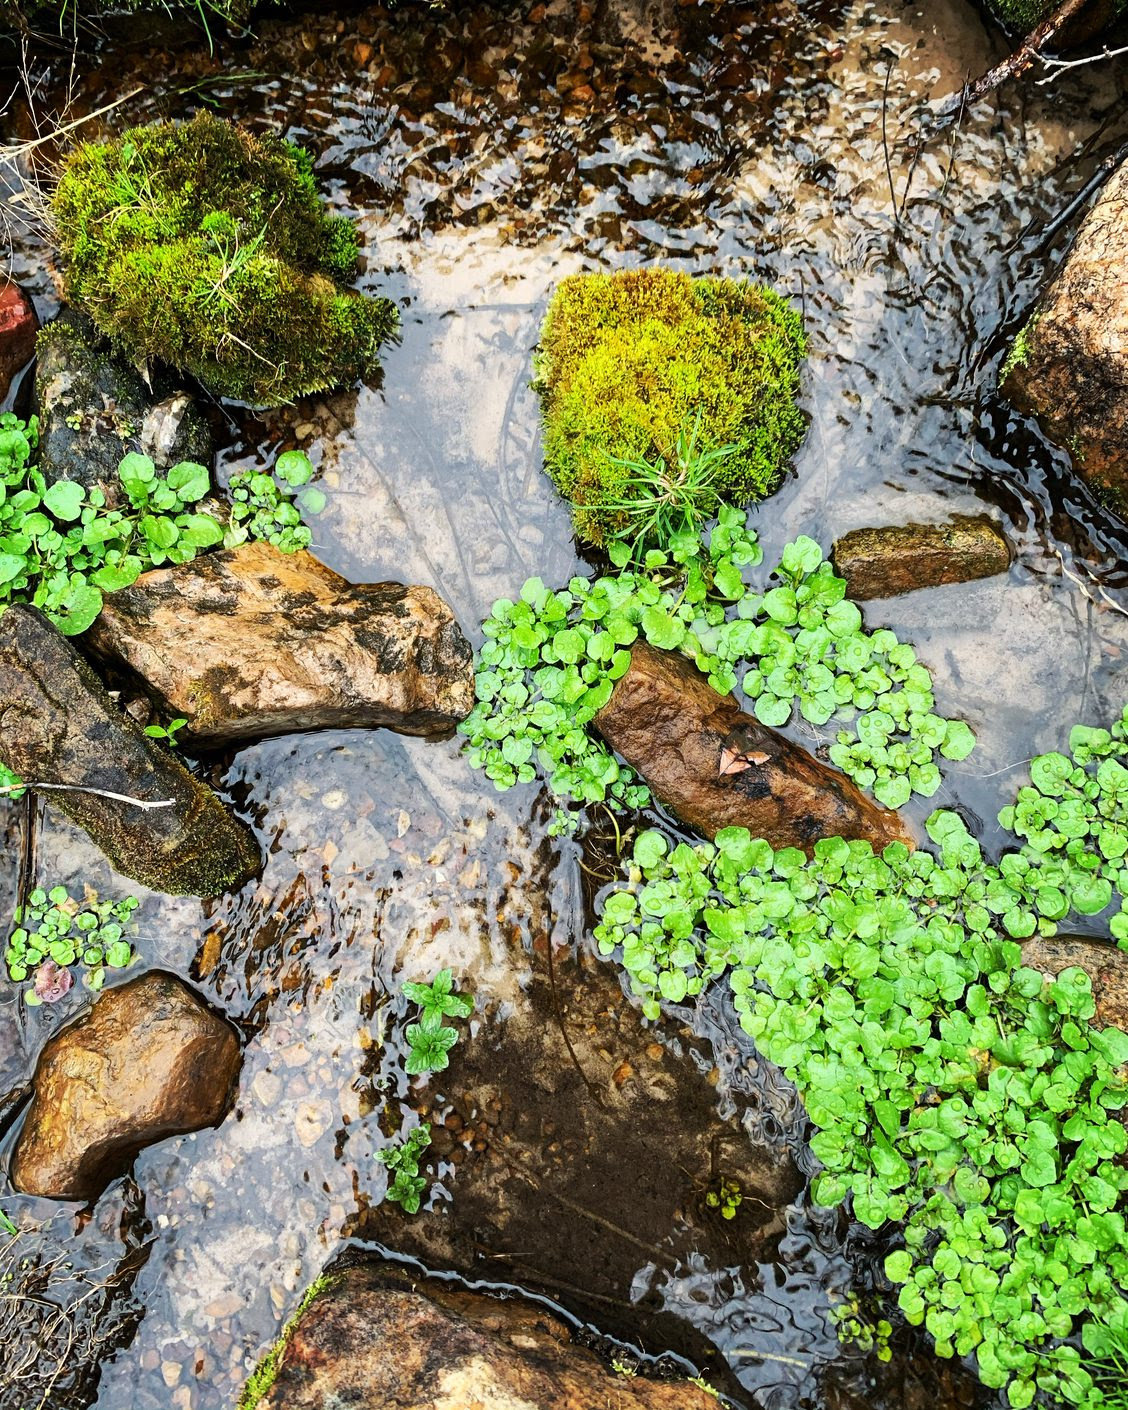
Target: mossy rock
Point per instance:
(629, 361)
(1024, 16)
(207, 248)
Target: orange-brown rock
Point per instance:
(903, 557)
(366, 1344)
(252, 642)
(716, 766)
(1105, 965)
(18, 327)
(1069, 365)
(148, 1061)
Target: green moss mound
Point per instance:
(208, 248)
(629, 361)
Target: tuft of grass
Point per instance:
(208, 248)
(629, 362)
(264, 1375)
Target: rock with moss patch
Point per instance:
(94, 408)
(629, 361)
(1069, 364)
(902, 558)
(1024, 16)
(59, 726)
(208, 248)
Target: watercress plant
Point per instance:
(55, 931)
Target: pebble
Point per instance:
(267, 1087)
(311, 1121)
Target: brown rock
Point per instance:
(885, 562)
(1069, 365)
(59, 726)
(148, 1061)
(715, 766)
(1105, 965)
(18, 327)
(363, 1343)
(254, 642)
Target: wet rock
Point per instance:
(361, 1342)
(254, 642)
(148, 1061)
(715, 766)
(888, 561)
(59, 726)
(1069, 365)
(19, 324)
(94, 407)
(1105, 965)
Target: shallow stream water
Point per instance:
(486, 155)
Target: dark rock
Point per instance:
(885, 562)
(58, 725)
(254, 642)
(148, 1061)
(19, 324)
(94, 407)
(1069, 365)
(361, 1342)
(672, 727)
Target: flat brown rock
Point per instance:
(672, 727)
(902, 558)
(1069, 365)
(148, 1061)
(58, 725)
(364, 1344)
(18, 327)
(253, 642)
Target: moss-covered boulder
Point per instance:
(207, 248)
(630, 362)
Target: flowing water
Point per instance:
(486, 155)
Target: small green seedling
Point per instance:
(407, 1185)
(167, 732)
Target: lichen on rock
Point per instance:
(627, 361)
(207, 248)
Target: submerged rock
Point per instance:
(19, 324)
(94, 408)
(59, 726)
(901, 558)
(1105, 965)
(716, 766)
(254, 642)
(362, 1342)
(148, 1061)
(1069, 364)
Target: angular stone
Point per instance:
(1105, 965)
(902, 558)
(59, 726)
(94, 408)
(19, 324)
(691, 746)
(360, 1342)
(1069, 365)
(252, 642)
(148, 1061)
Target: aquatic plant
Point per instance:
(62, 546)
(629, 364)
(957, 1092)
(550, 662)
(55, 931)
(407, 1185)
(208, 248)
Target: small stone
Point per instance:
(311, 1121)
(889, 561)
(170, 1372)
(267, 1087)
(19, 324)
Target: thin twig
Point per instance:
(885, 145)
(13, 151)
(1017, 63)
(1059, 65)
(97, 792)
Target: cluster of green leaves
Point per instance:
(550, 662)
(262, 509)
(62, 546)
(54, 927)
(11, 785)
(957, 1091)
(858, 1327)
(407, 1185)
(430, 1040)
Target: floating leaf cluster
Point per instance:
(55, 931)
(550, 662)
(957, 1091)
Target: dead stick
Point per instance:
(1018, 62)
(97, 792)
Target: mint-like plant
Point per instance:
(429, 1041)
(407, 1185)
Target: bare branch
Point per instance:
(1017, 63)
(97, 792)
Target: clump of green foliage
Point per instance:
(53, 927)
(631, 364)
(407, 1185)
(264, 1375)
(208, 248)
(430, 1040)
(550, 662)
(957, 1091)
(62, 546)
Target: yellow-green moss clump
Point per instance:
(628, 361)
(207, 248)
